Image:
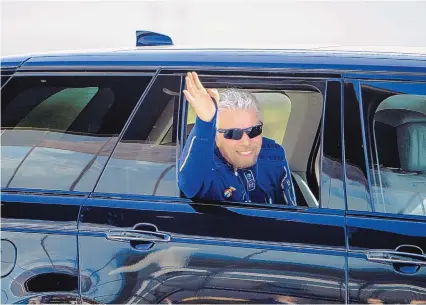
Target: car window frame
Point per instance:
(270, 83)
(357, 81)
(181, 137)
(6, 75)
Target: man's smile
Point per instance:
(245, 153)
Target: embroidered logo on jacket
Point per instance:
(228, 192)
(251, 183)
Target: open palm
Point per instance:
(200, 98)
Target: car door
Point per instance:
(385, 152)
(141, 242)
(53, 126)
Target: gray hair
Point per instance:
(238, 99)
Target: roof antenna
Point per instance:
(148, 38)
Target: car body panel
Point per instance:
(231, 59)
(232, 253)
(44, 236)
(13, 62)
(212, 247)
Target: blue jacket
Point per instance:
(205, 174)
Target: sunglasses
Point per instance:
(237, 133)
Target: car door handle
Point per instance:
(138, 235)
(396, 257)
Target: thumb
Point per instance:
(214, 94)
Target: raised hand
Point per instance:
(200, 98)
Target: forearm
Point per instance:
(195, 164)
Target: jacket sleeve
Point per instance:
(196, 161)
(287, 188)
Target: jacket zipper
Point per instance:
(246, 192)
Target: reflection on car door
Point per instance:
(39, 248)
(155, 247)
(145, 250)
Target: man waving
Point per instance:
(226, 158)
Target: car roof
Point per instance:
(329, 59)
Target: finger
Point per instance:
(189, 78)
(214, 94)
(188, 96)
(190, 85)
(197, 82)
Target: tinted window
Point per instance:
(57, 131)
(394, 116)
(144, 162)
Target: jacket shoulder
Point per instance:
(271, 151)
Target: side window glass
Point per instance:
(57, 131)
(394, 116)
(395, 126)
(144, 161)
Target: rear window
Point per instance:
(58, 131)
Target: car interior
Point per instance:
(398, 148)
(299, 141)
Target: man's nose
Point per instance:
(245, 139)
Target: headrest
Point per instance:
(401, 109)
(412, 146)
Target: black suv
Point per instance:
(91, 211)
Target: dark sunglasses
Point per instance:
(237, 133)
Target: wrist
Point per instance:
(205, 129)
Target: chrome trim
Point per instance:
(138, 235)
(396, 257)
(215, 68)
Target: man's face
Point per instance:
(244, 152)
